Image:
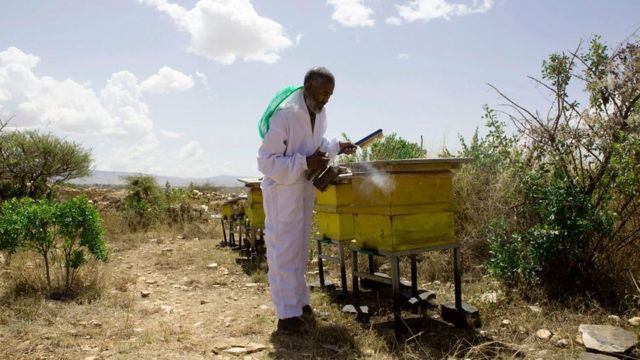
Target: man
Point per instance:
(293, 146)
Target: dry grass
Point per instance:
(191, 309)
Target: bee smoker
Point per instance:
(326, 178)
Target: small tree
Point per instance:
(31, 163)
(63, 232)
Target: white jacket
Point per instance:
(282, 156)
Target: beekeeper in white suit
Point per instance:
(293, 145)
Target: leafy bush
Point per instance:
(391, 147)
(144, 204)
(31, 163)
(61, 233)
(574, 208)
(484, 189)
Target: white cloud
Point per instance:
(115, 121)
(167, 80)
(15, 56)
(392, 20)
(192, 150)
(204, 79)
(224, 30)
(352, 13)
(171, 134)
(426, 10)
(403, 56)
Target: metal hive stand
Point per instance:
(339, 259)
(458, 313)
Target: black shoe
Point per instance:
(307, 310)
(291, 325)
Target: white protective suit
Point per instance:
(289, 198)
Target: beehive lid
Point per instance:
(235, 199)
(408, 165)
(250, 182)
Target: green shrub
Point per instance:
(391, 147)
(144, 204)
(61, 233)
(574, 209)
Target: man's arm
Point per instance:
(272, 161)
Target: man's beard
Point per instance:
(313, 106)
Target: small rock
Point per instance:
(562, 343)
(166, 308)
(535, 309)
(543, 334)
(349, 309)
(578, 340)
(249, 285)
(634, 321)
(506, 322)
(490, 297)
(151, 282)
(145, 293)
(263, 307)
(198, 324)
(223, 270)
(368, 352)
(202, 302)
(95, 323)
(166, 250)
(138, 330)
(607, 338)
(614, 318)
(212, 265)
(522, 329)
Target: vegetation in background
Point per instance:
(144, 204)
(391, 147)
(62, 234)
(32, 163)
(564, 187)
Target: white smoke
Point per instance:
(376, 178)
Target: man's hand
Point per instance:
(317, 161)
(347, 148)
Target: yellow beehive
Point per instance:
(401, 205)
(227, 210)
(233, 207)
(333, 210)
(254, 209)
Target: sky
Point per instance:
(176, 87)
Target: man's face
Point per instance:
(317, 95)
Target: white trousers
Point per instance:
(288, 210)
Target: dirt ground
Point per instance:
(171, 296)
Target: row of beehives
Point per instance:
(386, 205)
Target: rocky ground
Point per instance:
(169, 295)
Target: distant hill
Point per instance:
(100, 177)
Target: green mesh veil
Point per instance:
(282, 95)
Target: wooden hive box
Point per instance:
(402, 205)
(254, 210)
(333, 210)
